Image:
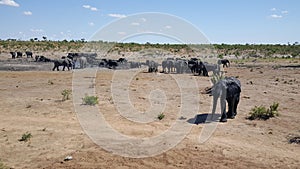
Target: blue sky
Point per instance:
(221, 21)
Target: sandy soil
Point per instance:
(31, 102)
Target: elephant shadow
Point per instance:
(204, 118)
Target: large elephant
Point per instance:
(164, 65)
(152, 66)
(62, 62)
(227, 89)
(168, 64)
(181, 66)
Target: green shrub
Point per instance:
(261, 112)
(216, 77)
(25, 137)
(161, 116)
(90, 100)
(66, 94)
(2, 166)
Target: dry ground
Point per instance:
(31, 102)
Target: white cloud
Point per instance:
(284, 12)
(86, 6)
(90, 7)
(135, 23)
(27, 13)
(94, 9)
(36, 30)
(276, 16)
(273, 9)
(117, 15)
(9, 3)
(91, 23)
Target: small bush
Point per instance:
(26, 137)
(66, 94)
(90, 100)
(161, 116)
(216, 77)
(50, 82)
(261, 112)
(2, 166)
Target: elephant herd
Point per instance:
(20, 54)
(180, 66)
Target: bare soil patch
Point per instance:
(31, 102)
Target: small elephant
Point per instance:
(224, 62)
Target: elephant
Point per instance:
(135, 64)
(197, 66)
(62, 62)
(42, 59)
(28, 54)
(201, 68)
(168, 64)
(192, 64)
(164, 65)
(122, 60)
(227, 89)
(181, 66)
(224, 62)
(112, 64)
(212, 68)
(103, 63)
(81, 61)
(19, 54)
(13, 55)
(152, 66)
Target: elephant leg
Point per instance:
(236, 102)
(205, 73)
(223, 109)
(231, 102)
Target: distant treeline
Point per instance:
(251, 50)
